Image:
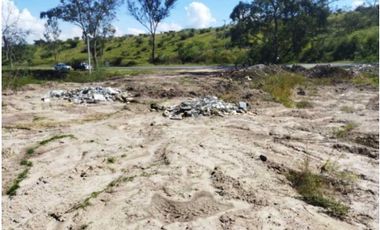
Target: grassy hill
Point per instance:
(205, 46)
(350, 36)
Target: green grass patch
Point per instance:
(25, 162)
(345, 130)
(16, 183)
(15, 83)
(86, 202)
(366, 79)
(313, 189)
(28, 164)
(57, 137)
(30, 151)
(281, 86)
(304, 104)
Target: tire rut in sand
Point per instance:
(202, 204)
(231, 188)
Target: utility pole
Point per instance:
(88, 52)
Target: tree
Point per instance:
(241, 19)
(278, 29)
(51, 35)
(150, 13)
(13, 36)
(107, 32)
(89, 15)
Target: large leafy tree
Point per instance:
(278, 29)
(150, 13)
(241, 17)
(90, 15)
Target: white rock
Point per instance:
(99, 97)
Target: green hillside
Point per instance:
(206, 46)
(350, 36)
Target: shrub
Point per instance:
(311, 187)
(345, 130)
(281, 86)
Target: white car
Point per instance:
(62, 67)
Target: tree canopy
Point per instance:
(150, 13)
(90, 15)
(276, 30)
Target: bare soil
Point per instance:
(130, 168)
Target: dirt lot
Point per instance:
(125, 167)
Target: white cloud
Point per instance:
(74, 31)
(119, 32)
(163, 27)
(199, 15)
(135, 31)
(356, 3)
(22, 19)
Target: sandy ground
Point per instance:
(202, 173)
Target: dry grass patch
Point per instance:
(317, 190)
(344, 131)
(281, 86)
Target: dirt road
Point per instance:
(125, 167)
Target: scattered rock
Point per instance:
(57, 217)
(263, 158)
(226, 222)
(89, 95)
(301, 92)
(243, 106)
(156, 107)
(206, 106)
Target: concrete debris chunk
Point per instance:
(89, 95)
(206, 106)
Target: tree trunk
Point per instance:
(153, 48)
(93, 53)
(276, 58)
(55, 51)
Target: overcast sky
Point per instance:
(186, 14)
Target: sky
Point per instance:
(186, 14)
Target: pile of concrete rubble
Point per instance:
(89, 95)
(205, 106)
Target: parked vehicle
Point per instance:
(82, 66)
(62, 67)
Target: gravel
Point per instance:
(89, 95)
(204, 106)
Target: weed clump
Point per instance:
(304, 105)
(281, 86)
(345, 130)
(16, 184)
(44, 142)
(111, 160)
(313, 189)
(25, 162)
(30, 151)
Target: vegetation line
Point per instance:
(28, 164)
